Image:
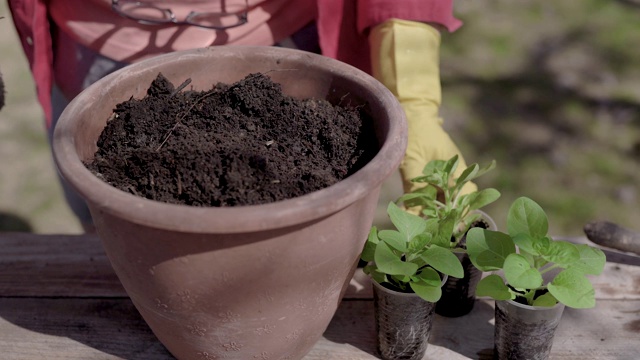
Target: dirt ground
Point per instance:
(547, 89)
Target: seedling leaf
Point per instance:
(394, 239)
(376, 275)
(434, 166)
(430, 276)
(451, 165)
(443, 229)
(429, 287)
(370, 246)
(468, 174)
(434, 173)
(486, 169)
(479, 171)
(573, 289)
(525, 216)
(591, 260)
(420, 242)
(389, 263)
(494, 287)
(562, 253)
(520, 274)
(488, 249)
(444, 261)
(546, 300)
(408, 225)
(525, 242)
(542, 245)
(483, 198)
(420, 197)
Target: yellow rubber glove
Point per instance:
(405, 58)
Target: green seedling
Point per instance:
(442, 196)
(412, 257)
(537, 254)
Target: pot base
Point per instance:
(403, 323)
(524, 332)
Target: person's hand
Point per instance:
(405, 58)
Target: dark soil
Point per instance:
(239, 144)
(480, 223)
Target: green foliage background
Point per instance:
(551, 90)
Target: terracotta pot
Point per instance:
(403, 323)
(523, 331)
(459, 295)
(246, 282)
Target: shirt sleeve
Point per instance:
(343, 24)
(32, 25)
(373, 12)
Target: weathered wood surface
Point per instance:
(59, 299)
(55, 265)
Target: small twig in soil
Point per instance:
(342, 98)
(179, 88)
(179, 183)
(179, 121)
(132, 190)
(152, 183)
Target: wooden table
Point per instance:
(59, 299)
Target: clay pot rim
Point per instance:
(290, 212)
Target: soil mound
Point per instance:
(241, 144)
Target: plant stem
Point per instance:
(455, 200)
(529, 296)
(440, 204)
(544, 271)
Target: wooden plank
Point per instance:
(618, 281)
(76, 266)
(55, 265)
(72, 329)
(70, 266)
(90, 321)
(40, 328)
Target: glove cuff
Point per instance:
(405, 58)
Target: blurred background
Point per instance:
(550, 90)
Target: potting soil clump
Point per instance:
(240, 144)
